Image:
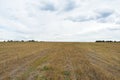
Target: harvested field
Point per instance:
(59, 61)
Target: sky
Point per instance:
(60, 20)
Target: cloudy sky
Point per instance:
(60, 20)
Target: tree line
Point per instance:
(106, 41)
(20, 41)
(45, 41)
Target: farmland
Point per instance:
(59, 61)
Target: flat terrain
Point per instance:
(59, 61)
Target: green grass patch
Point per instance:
(34, 65)
(46, 68)
(66, 73)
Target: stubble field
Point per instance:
(59, 61)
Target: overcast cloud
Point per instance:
(60, 20)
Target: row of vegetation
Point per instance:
(106, 41)
(44, 41)
(21, 41)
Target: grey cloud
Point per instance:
(71, 5)
(66, 6)
(48, 7)
(101, 17)
(104, 14)
(80, 19)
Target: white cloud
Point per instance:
(60, 20)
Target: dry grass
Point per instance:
(59, 61)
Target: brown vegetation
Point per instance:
(59, 61)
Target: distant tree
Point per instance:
(100, 41)
(108, 41)
(10, 41)
(31, 41)
(22, 41)
(115, 41)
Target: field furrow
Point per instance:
(59, 61)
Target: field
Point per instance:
(59, 61)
